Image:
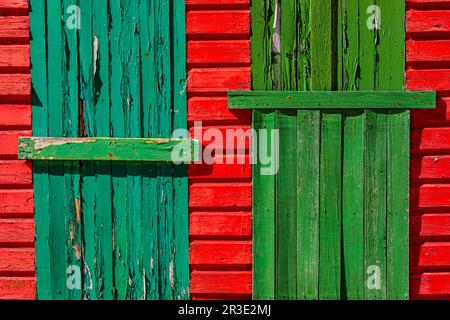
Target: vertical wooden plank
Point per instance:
(131, 88)
(375, 149)
(391, 77)
(330, 207)
(323, 73)
(38, 52)
(398, 205)
(304, 45)
(56, 170)
(323, 45)
(91, 285)
(126, 77)
(375, 204)
(149, 250)
(165, 180)
(286, 206)
(264, 234)
(263, 15)
(289, 41)
(286, 180)
(376, 193)
(181, 236)
(353, 273)
(103, 222)
(71, 169)
(366, 69)
(121, 274)
(308, 159)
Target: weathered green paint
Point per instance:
(108, 149)
(331, 100)
(104, 271)
(345, 178)
(286, 205)
(397, 171)
(56, 87)
(121, 77)
(72, 169)
(180, 183)
(262, 74)
(38, 52)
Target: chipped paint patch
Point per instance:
(42, 143)
(95, 54)
(171, 279)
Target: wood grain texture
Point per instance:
(132, 241)
(220, 254)
(17, 232)
(215, 109)
(218, 58)
(14, 29)
(38, 51)
(220, 225)
(218, 80)
(221, 282)
(427, 60)
(217, 195)
(17, 259)
(331, 100)
(14, 58)
(429, 226)
(218, 52)
(16, 203)
(15, 117)
(17, 288)
(15, 173)
(107, 149)
(10, 7)
(232, 22)
(336, 51)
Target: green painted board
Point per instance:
(108, 149)
(308, 156)
(286, 205)
(339, 196)
(38, 52)
(264, 207)
(57, 190)
(103, 268)
(331, 100)
(111, 221)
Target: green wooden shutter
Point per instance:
(337, 210)
(120, 73)
(333, 221)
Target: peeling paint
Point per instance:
(77, 251)
(78, 209)
(42, 143)
(171, 279)
(95, 54)
(122, 75)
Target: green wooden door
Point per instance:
(109, 229)
(333, 222)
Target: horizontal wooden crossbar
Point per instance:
(332, 100)
(108, 149)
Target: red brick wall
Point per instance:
(218, 34)
(17, 280)
(428, 68)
